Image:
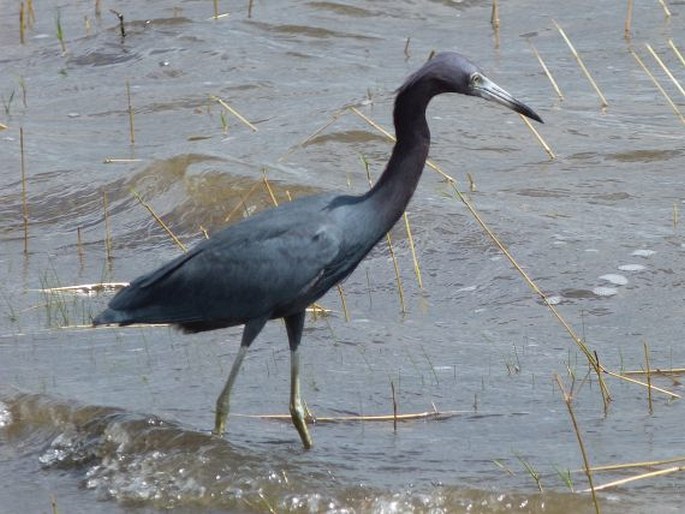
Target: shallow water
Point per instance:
(118, 420)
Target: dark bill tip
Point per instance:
(522, 108)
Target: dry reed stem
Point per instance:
(665, 68)
(396, 267)
(343, 302)
(592, 360)
(131, 129)
(24, 199)
(649, 379)
(582, 65)
(412, 247)
(22, 23)
(667, 11)
(497, 39)
(235, 113)
(494, 21)
(623, 481)
(249, 8)
(428, 415)
(630, 465)
(638, 382)
(317, 310)
(547, 72)
(270, 191)
(537, 135)
(218, 16)
(494, 15)
(159, 221)
(86, 289)
(406, 48)
(656, 371)
(629, 20)
(98, 9)
(658, 86)
(115, 160)
(568, 400)
(676, 51)
(676, 215)
(31, 13)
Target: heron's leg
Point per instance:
(294, 325)
(251, 330)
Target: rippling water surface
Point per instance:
(118, 420)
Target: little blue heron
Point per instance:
(277, 262)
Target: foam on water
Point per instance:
(605, 291)
(632, 267)
(615, 279)
(643, 253)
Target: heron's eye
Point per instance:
(476, 79)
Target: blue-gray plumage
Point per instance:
(277, 262)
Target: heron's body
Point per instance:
(309, 246)
(276, 263)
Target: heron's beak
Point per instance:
(486, 88)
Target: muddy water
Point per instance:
(117, 420)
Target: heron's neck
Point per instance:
(393, 190)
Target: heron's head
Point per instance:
(450, 72)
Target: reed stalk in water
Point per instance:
(24, 200)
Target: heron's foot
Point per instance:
(297, 413)
(309, 415)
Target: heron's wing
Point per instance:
(245, 271)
